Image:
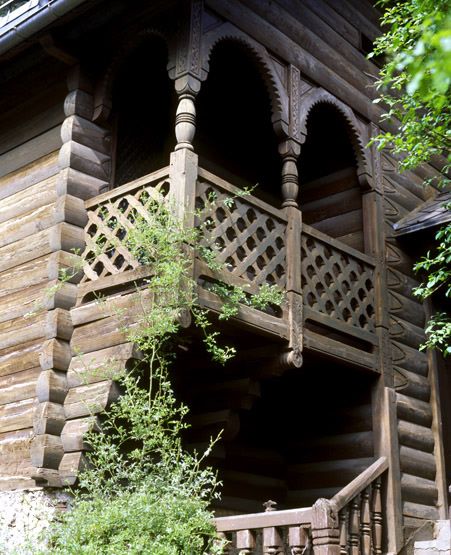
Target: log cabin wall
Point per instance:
(40, 224)
(56, 150)
(414, 373)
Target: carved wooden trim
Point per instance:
(276, 88)
(319, 96)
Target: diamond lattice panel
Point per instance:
(337, 284)
(249, 242)
(108, 224)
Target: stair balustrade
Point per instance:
(351, 523)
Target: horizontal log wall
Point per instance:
(419, 449)
(42, 217)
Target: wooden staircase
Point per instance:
(351, 523)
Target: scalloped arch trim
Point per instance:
(319, 96)
(276, 90)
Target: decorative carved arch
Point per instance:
(104, 87)
(264, 64)
(320, 96)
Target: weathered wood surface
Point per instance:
(18, 386)
(70, 466)
(28, 175)
(17, 416)
(35, 299)
(46, 325)
(37, 272)
(66, 209)
(33, 149)
(49, 418)
(62, 236)
(85, 400)
(73, 432)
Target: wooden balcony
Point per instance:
(251, 238)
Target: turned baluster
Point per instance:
(185, 121)
(245, 542)
(376, 510)
(354, 527)
(298, 539)
(365, 523)
(272, 542)
(343, 523)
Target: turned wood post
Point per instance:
(184, 161)
(185, 121)
(272, 541)
(245, 542)
(297, 539)
(325, 531)
(289, 150)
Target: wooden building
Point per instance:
(328, 409)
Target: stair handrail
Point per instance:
(288, 517)
(359, 484)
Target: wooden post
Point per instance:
(354, 527)
(289, 151)
(184, 162)
(325, 532)
(383, 400)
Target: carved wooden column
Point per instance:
(325, 531)
(184, 161)
(384, 396)
(289, 151)
(185, 70)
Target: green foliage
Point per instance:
(142, 492)
(437, 267)
(414, 84)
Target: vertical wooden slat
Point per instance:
(365, 523)
(376, 509)
(354, 526)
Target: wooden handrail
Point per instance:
(289, 517)
(336, 244)
(135, 184)
(236, 191)
(363, 480)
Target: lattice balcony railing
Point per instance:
(249, 237)
(248, 234)
(106, 259)
(337, 284)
